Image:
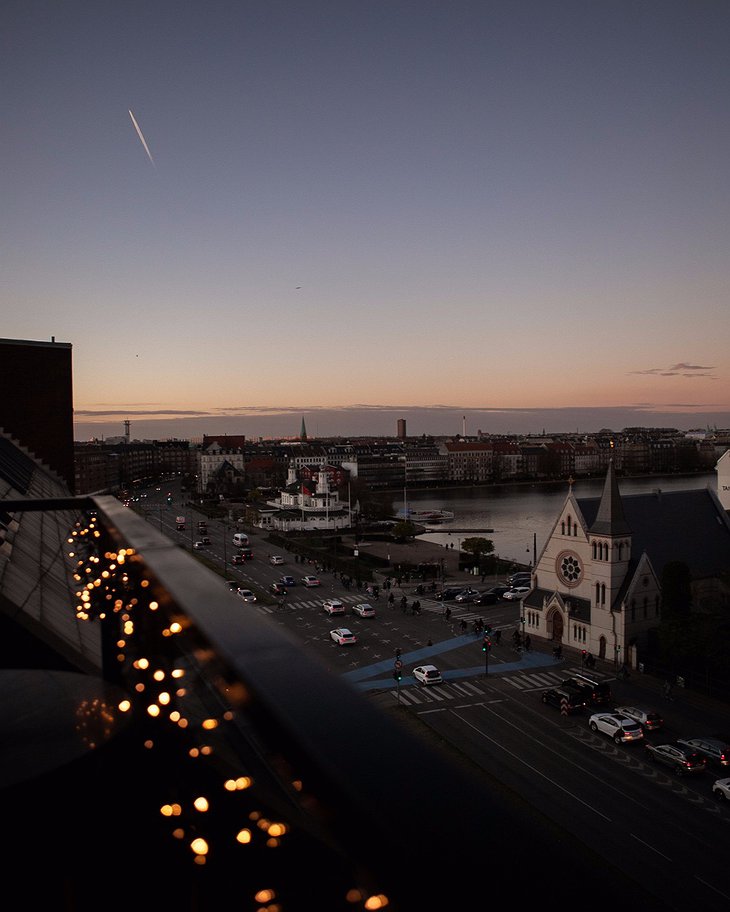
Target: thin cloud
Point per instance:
(679, 370)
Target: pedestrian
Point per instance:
(527, 643)
(447, 612)
(463, 625)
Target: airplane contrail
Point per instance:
(142, 139)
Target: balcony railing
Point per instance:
(226, 765)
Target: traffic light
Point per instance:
(486, 644)
(397, 674)
(397, 653)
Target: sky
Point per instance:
(474, 214)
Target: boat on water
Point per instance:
(426, 516)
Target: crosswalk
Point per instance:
(415, 695)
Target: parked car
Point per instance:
(365, 610)
(310, 581)
(682, 760)
(333, 606)
(427, 674)
(716, 750)
(721, 789)
(288, 581)
(620, 728)
(343, 637)
(564, 697)
(523, 578)
(247, 595)
(649, 719)
(466, 595)
(276, 559)
(517, 592)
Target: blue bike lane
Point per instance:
(379, 675)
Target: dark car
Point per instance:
(288, 581)
(450, 593)
(485, 598)
(716, 750)
(564, 698)
(499, 591)
(277, 589)
(681, 759)
(597, 693)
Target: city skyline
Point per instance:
(239, 214)
(382, 422)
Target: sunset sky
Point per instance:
(317, 206)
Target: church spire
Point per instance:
(610, 519)
(303, 432)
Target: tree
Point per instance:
(403, 531)
(478, 546)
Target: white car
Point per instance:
(247, 595)
(427, 674)
(616, 726)
(517, 592)
(310, 581)
(365, 610)
(343, 637)
(721, 789)
(333, 606)
(276, 559)
(648, 719)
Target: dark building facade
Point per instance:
(36, 406)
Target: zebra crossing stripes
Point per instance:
(438, 693)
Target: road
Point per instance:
(669, 834)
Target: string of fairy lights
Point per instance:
(159, 675)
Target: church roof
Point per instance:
(687, 526)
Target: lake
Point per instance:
(521, 516)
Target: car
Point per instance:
(238, 559)
(333, 606)
(517, 592)
(649, 719)
(427, 674)
(716, 750)
(466, 595)
(205, 540)
(597, 693)
(247, 595)
(343, 637)
(277, 589)
(620, 728)
(683, 760)
(520, 579)
(485, 598)
(310, 581)
(233, 585)
(365, 610)
(288, 581)
(721, 789)
(499, 591)
(563, 697)
(198, 545)
(449, 593)
(276, 559)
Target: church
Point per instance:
(596, 584)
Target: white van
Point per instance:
(240, 539)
